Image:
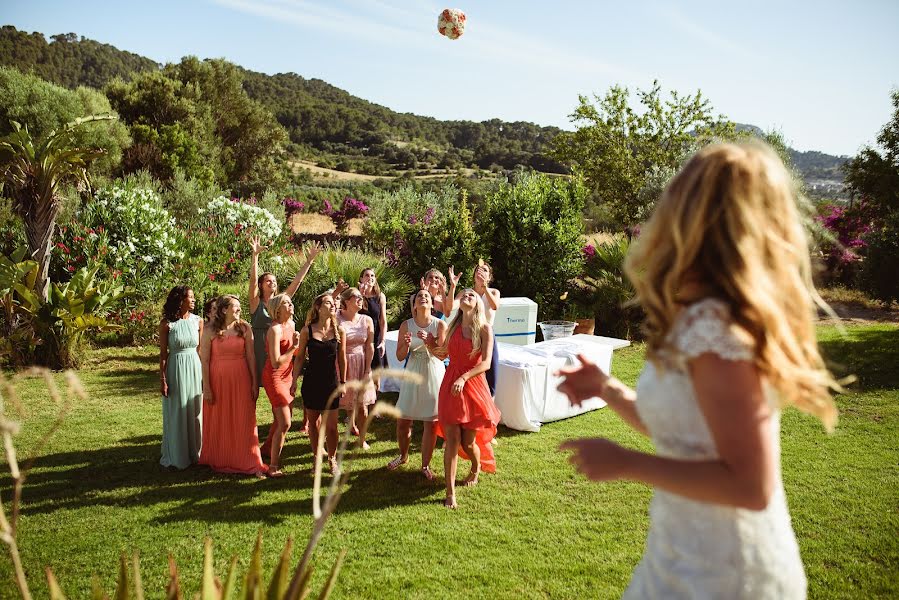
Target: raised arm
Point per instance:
(163, 357)
(586, 380)
(314, 251)
(256, 247)
(450, 301)
(493, 296)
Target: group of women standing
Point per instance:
(211, 371)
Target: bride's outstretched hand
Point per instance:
(598, 458)
(582, 382)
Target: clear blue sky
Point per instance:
(821, 72)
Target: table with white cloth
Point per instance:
(526, 393)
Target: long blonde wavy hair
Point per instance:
(729, 226)
(478, 320)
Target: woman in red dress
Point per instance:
(281, 342)
(230, 444)
(467, 416)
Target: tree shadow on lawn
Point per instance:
(872, 355)
(129, 475)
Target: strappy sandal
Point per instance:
(450, 502)
(332, 464)
(428, 473)
(396, 463)
(275, 472)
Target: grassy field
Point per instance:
(533, 530)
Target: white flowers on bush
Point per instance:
(139, 228)
(234, 213)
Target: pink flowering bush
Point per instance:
(846, 229)
(351, 209)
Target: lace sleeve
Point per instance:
(706, 327)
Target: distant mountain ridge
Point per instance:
(337, 129)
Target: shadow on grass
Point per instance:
(128, 474)
(870, 354)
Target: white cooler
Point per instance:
(516, 321)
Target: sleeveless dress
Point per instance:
(418, 401)
(230, 444)
(695, 549)
(181, 420)
(277, 383)
(473, 408)
(320, 373)
(260, 322)
(356, 334)
(374, 310)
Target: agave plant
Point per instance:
(336, 263)
(70, 310)
(18, 339)
(31, 173)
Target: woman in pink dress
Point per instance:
(230, 444)
(360, 348)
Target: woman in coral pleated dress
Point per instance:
(230, 444)
(281, 343)
(467, 416)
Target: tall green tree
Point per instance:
(42, 107)
(872, 177)
(31, 173)
(627, 154)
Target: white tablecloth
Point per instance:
(526, 392)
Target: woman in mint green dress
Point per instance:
(181, 379)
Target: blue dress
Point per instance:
(181, 409)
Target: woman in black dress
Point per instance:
(376, 308)
(322, 350)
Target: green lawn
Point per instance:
(535, 529)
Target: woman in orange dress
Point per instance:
(467, 416)
(230, 444)
(281, 343)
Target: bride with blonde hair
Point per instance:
(722, 270)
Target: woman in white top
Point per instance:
(418, 401)
(722, 270)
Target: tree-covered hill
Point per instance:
(335, 128)
(322, 121)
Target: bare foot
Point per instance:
(471, 480)
(364, 445)
(428, 473)
(396, 462)
(450, 502)
(332, 463)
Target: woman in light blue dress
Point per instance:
(181, 379)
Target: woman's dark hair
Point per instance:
(171, 310)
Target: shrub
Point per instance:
(419, 230)
(336, 263)
(845, 229)
(602, 290)
(349, 209)
(531, 229)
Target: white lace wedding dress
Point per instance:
(694, 549)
